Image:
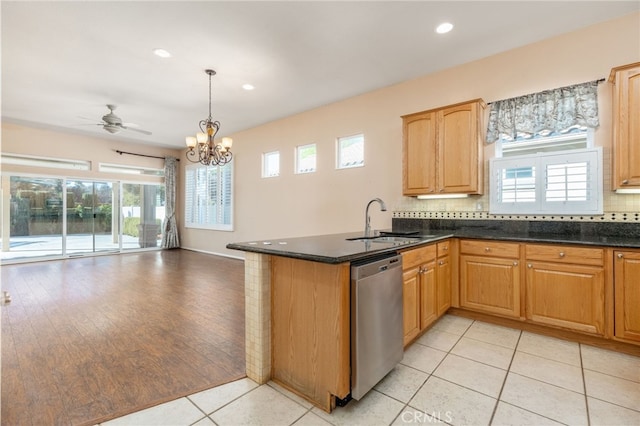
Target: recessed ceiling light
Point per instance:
(248, 86)
(445, 27)
(161, 53)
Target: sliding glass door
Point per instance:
(90, 222)
(33, 217)
(142, 215)
(60, 217)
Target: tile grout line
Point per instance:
(515, 349)
(584, 385)
(434, 369)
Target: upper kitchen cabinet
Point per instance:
(626, 126)
(443, 150)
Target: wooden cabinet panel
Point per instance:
(310, 328)
(419, 147)
(565, 254)
(444, 248)
(443, 280)
(442, 150)
(411, 303)
(428, 295)
(418, 256)
(627, 295)
(490, 285)
(569, 296)
(626, 126)
(427, 287)
(459, 149)
(490, 248)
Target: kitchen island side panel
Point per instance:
(310, 328)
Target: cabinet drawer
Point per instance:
(565, 254)
(490, 248)
(443, 248)
(418, 256)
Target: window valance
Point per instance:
(551, 110)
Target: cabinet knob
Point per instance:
(515, 263)
(487, 249)
(441, 262)
(626, 181)
(620, 255)
(561, 254)
(529, 265)
(441, 189)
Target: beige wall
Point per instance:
(20, 139)
(333, 201)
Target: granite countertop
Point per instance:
(336, 248)
(541, 237)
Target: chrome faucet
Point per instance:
(367, 219)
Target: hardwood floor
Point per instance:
(89, 339)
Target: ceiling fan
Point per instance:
(113, 124)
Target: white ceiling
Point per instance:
(62, 61)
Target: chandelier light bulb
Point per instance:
(201, 137)
(191, 141)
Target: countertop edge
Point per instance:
(601, 241)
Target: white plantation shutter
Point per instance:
(209, 197)
(568, 182)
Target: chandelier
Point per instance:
(202, 148)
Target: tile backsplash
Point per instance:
(617, 208)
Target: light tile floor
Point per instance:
(461, 372)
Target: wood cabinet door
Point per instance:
(418, 154)
(443, 279)
(490, 284)
(411, 303)
(566, 295)
(626, 127)
(428, 295)
(459, 144)
(627, 295)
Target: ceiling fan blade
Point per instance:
(136, 130)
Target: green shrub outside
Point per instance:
(131, 226)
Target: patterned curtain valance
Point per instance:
(551, 110)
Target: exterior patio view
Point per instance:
(58, 217)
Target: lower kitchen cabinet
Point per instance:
(627, 295)
(490, 277)
(410, 302)
(565, 287)
(426, 288)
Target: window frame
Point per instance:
(265, 157)
(339, 150)
(219, 170)
(298, 151)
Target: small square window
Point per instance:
(306, 158)
(271, 164)
(350, 151)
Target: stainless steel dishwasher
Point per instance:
(376, 321)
